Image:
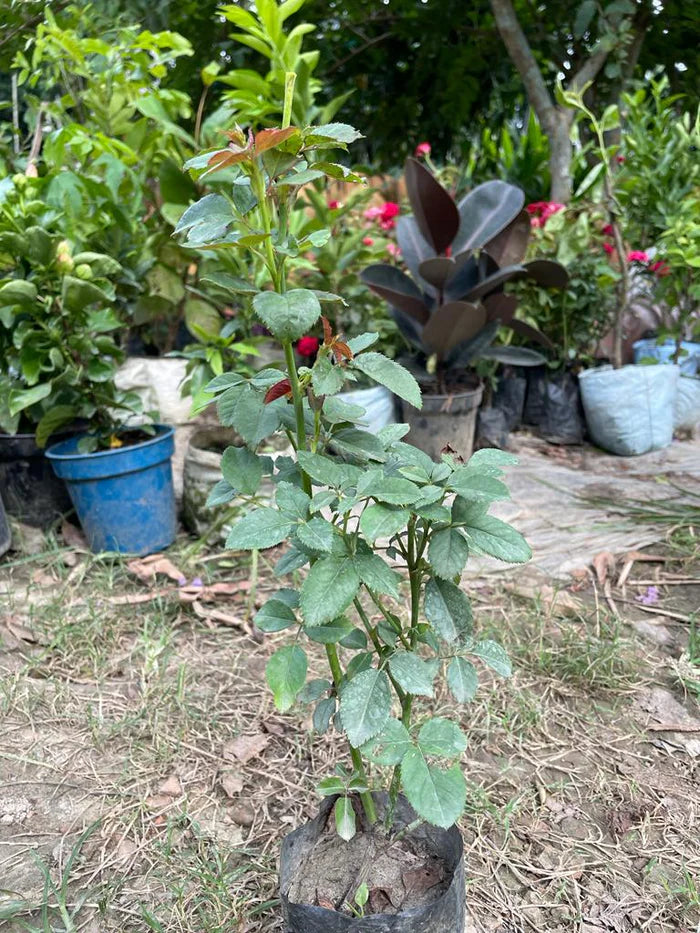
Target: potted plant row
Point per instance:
(58, 359)
(629, 408)
(452, 306)
(367, 517)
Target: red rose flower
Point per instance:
(637, 255)
(608, 230)
(660, 268)
(609, 248)
(333, 205)
(367, 241)
(620, 159)
(307, 346)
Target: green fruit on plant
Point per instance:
(83, 271)
(19, 180)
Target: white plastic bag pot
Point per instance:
(629, 411)
(378, 403)
(158, 383)
(686, 411)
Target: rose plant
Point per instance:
(363, 513)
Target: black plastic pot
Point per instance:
(32, 492)
(444, 915)
(4, 530)
(553, 404)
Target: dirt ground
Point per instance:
(146, 779)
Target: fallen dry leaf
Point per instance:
(604, 565)
(147, 568)
(554, 602)
(171, 786)
(216, 615)
(158, 801)
(245, 747)
(73, 537)
(42, 578)
(132, 599)
(242, 813)
(231, 782)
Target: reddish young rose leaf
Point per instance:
(341, 351)
(266, 139)
(284, 387)
(327, 331)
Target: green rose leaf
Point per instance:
(294, 502)
(390, 489)
(221, 494)
(491, 457)
(474, 485)
(317, 534)
(375, 573)
(448, 552)
(330, 633)
(286, 674)
(412, 673)
(326, 378)
(390, 374)
(447, 609)
(462, 680)
(330, 786)
(380, 521)
(489, 535)
(389, 747)
(437, 795)
(329, 588)
(442, 738)
(274, 616)
(344, 818)
(242, 469)
(494, 655)
(323, 713)
(336, 410)
(259, 529)
(288, 316)
(365, 706)
(18, 292)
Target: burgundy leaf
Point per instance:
(485, 211)
(548, 273)
(530, 333)
(437, 270)
(509, 246)
(395, 287)
(500, 307)
(451, 324)
(433, 207)
(495, 281)
(414, 248)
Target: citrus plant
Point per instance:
(364, 513)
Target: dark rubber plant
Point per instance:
(461, 255)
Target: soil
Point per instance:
(400, 874)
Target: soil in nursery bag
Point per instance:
(415, 881)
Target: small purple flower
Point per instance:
(182, 581)
(197, 582)
(651, 597)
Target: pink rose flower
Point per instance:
(422, 150)
(637, 255)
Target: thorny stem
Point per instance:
(413, 559)
(366, 796)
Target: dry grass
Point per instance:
(117, 719)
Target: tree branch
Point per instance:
(521, 55)
(589, 70)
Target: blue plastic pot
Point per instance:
(689, 362)
(124, 497)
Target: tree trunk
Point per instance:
(560, 156)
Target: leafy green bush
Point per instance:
(348, 503)
(58, 326)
